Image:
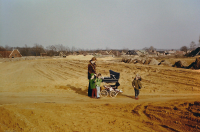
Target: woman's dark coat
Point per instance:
(91, 69)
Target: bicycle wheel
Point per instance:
(113, 94)
(104, 93)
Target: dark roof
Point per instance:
(131, 52)
(161, 51)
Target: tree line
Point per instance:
(37, 49)
(54, 50)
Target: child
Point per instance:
(137, 85)
(92, 85)
(98, 83)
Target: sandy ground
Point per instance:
(51, 95)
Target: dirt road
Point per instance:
(51, 95)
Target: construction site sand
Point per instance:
(51, 95)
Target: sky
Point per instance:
(100, 24)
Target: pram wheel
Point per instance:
(113, 94)
(104, 93)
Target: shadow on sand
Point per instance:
(78, 90)
(85, 92)
(123, 95)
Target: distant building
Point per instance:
(171, 52)
(131, 52)
(43, 54)
(104, 53)
(151, 54)
(161, 53)
(10, 54)
(180, 52)
(61, 54)
(123, 53)
(142, 52)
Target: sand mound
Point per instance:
(195, 52)
(138, 60)
(141, 61)
(180, 64)
(134, 60)
(153, 62)
(126, 60)
(195, 65)
(165, 62)
(147, 61)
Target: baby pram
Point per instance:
(111, 90)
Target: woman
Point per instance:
(137, 85)
(91, 69)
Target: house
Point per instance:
(160, 53)
(61, 54)
(171, 52)
(10, 54)
(74, 53)
(123, 53)
(43, 54)
(82, 53)
(151, 54)
(142, 52)
(90, 52)
(116, 53)
(103, 53)
(111, 53)
(131, 52)
(180, 52)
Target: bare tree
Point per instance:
(73, 49)
(60, 47)
(184, 48)
(37, 49)
(2, 48)
(152, 48)
(67, 48)
(51, 50)
(107, 48)
(25, 51)
(192, 45)
(125, 49)
(145, 48)
(8, 48)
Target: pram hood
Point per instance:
(114, 77)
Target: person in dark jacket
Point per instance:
(91, 69)
(137, 85)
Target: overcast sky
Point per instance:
(93, 24)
